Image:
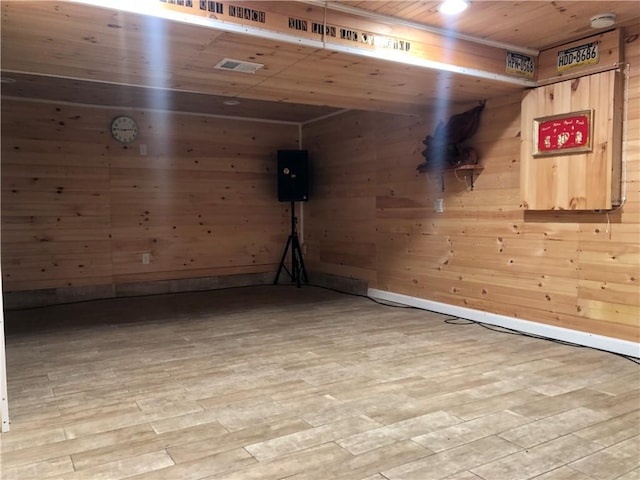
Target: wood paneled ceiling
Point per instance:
(530, 23)
(81, 53)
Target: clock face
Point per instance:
(124, 129)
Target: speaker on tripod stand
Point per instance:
(293, 186)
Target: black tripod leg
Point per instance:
(298, 273)
(295, 261)
(284, 256)
(301, 272)
(295, 264)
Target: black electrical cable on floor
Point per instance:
(466, 321)
(511, 331)
(139, 295)
(362, 295)
(451, 320)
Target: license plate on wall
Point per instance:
(579, 56)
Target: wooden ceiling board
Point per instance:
(71, 41)
(402, 97)
(400, 9)
(97, 93)
(151, 52)
(76, 41)
(531, 24)
(275, 56)
(370, 83)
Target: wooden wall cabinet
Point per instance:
(576, 180)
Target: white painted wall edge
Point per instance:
(4, 402)
(623, 347)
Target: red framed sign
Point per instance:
(562, 134)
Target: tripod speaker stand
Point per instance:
(297, 273)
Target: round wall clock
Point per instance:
(124, 129)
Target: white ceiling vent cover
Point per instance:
(238, 65)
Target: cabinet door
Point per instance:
(563, 177)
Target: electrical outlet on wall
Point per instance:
(438, 205)
(146, 258)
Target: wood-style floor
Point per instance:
(284, 383)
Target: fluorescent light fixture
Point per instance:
(231, 103)
(453, 7)
(143, 7)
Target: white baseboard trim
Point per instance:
(623, 347)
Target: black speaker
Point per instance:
(293, 176)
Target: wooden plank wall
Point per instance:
(372, 217)
(80, 209)
(340, 218)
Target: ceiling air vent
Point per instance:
(238, 65)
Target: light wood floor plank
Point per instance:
(305, 439)
(397, 453)
(538, 460)
(312, 460)
(52, 467)
(129, 467)
(560, 403)
(187, 451)
(611, 462)
(228, 461)
(555, 426)
(564, 473)
(277, 382)
(455, 460)
(465, 432)
(632, 475)
(464, 476)
(613, 430)
(39, 453)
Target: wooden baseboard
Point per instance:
(55, 296)
(354, 286)
(15, 300)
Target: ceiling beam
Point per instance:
(340, 7)
(341, 32)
